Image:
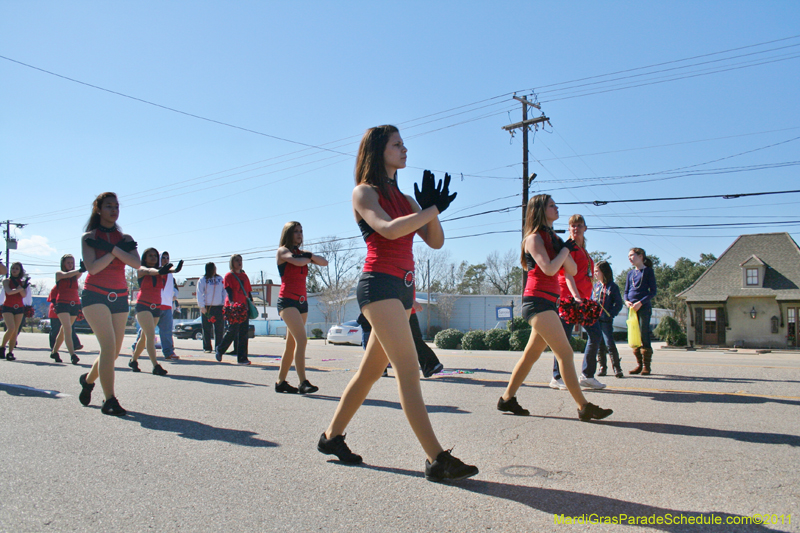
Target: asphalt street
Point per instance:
(711, 435)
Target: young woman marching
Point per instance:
(606, 293)
(68, 303)
(15, 287)
(237, 286)
(293, 307)
(148, 301)
(106, 251)
(640, 289)
(388, 221)
(544, 254)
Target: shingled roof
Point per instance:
(723, 279)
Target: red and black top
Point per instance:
(539, 284)
(67, 291)
(111, 278)
(235, 294)
(583, 278)
(14, 300)
(150, 288)
(393, 257)
(293, 280)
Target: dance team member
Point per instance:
(640, 289)
(56, 333)
(148, 307)
(15, 288)
(543, 255)
(388, 221)
(606, 293)
(293, 307)
(579, 287)
(106, 251)
(210, 299)
(238, 289)
(68, 303)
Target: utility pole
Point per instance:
(524, 125)
(11, 244)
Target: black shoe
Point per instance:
(618, 373)
(134, 365)
(448, 468)
(244, 361)
(218, 357)
(2, 352)
(438, 367)
(55, 357)
(158, 370)
(85, 397)
(283, 386)
(307, 388)
(113, 408)
(10, 356)
(511, 406)
(591, 411)
(79, 347)
(603, 371)
(336, 446)
(75, 359)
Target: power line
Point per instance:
(724, 196)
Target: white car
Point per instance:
(346, 333)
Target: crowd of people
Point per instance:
(557, 271)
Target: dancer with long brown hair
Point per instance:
(544, 254)
(15, 288)
(388, 220)
(68, 303)
(106, 251)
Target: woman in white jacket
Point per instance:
(210, 299)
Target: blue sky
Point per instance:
(320, 73)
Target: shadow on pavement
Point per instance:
(452, 409)
(558, 502)
(214, 381)
(692, 431)
(189, 429)
(703, 397)
(29, 392)
(690, 379)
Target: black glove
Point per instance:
(24, 282)
(306, 255)
(445, 198)
(572, 245)
(82, 267)
(428, 196)
(179, 267)
(165, 269)
(127, 246)
(99, 244)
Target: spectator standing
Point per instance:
(210, 299)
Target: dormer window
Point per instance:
(752, 277)
(753, 271)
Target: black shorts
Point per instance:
(116, 303)
(532, 305)
(14, 310)
(155, 311)
(73, 308)
(377, 286)
(300, 305)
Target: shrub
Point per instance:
(517, 323)
(433, 330)
(474, 340)
(448, 339)
(497, 339)
(518, 339)
(316, 333)
(669, 330)
(578, 344)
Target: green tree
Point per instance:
(472, 279)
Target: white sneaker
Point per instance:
(590, 383)
(558, 384)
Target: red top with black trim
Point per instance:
(538, 283)
(67, 291)
(583, 278)
(112, 277)
(14, 300)
(150, 288)
(394, 257)
(293, 280)
(229, 282)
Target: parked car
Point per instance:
(189, 330)
(81, 326)
(346, 333)
(44, 325)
